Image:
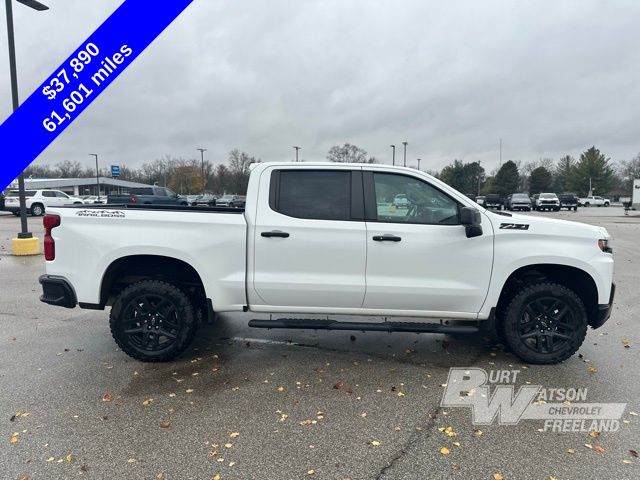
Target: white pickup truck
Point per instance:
(594, 202)
(327, 239)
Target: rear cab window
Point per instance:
(317, 194)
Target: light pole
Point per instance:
(97, 174)
(393, 157)
(419, 160)
(204, 181)
(24, 233)
(297, 148)
(405, 153)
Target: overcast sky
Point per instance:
(548, 77)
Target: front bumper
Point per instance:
(57, 291)
(604, 311)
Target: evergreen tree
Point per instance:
(540, 180)
(507, 179)
(592, 167)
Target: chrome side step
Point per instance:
(323, 324)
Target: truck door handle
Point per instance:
(275, 233)
(386, 238)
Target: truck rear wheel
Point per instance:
(545, 323)
(153, 321)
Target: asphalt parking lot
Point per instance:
(248, 404)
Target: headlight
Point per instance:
(605, 246)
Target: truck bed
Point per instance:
(94, 239)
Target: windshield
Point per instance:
(548, 195)
(520, 196)
(227, 197)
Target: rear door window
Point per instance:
(313, 194)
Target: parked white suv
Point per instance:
(38, 201)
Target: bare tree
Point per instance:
(348, 153)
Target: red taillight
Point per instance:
(133, 199)
(50, 222)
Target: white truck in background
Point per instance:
(635, 195)
(594, 201)
(327, 239)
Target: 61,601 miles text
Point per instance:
(77, 97)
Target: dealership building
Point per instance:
(81, 186)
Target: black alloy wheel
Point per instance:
(545, 323)
(153, 321)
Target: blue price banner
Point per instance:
(79, 80)
(115, 170)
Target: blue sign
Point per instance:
(80, 80)
(115, 170)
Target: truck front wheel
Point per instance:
(545, 323)
(153, 321)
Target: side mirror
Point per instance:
(471, 219)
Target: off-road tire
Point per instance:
(574, 328)
(184, 320)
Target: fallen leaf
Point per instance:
(69, 458)
(477, 433)
(375, 443)
(189, 390)
(14, 438)
(338, 385)
(598, 449)
(147, 402)
(457, 444)
(571, 450)
(132, 460)
(588, 445)
(228, 445)
(50, 459)
(164, 424)
(626, 461)
(311, 472)
(106, 397)
(280, 388)
(498, 476)
(633, 453)
(594, 434)
(234, 434)
(216, 477)
(444, 451)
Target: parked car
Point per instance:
(148, 196)
(401, 201)
(493, 200)
(534, 201)
(91, 199)
(234, 201)
(594, 202)
(568, 201)
(38, 201)
(519, 201)
(206, 200)
(548, 201)
(1, 200)
(318, 238)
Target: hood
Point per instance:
(550, 226)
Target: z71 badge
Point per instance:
(514, 226)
